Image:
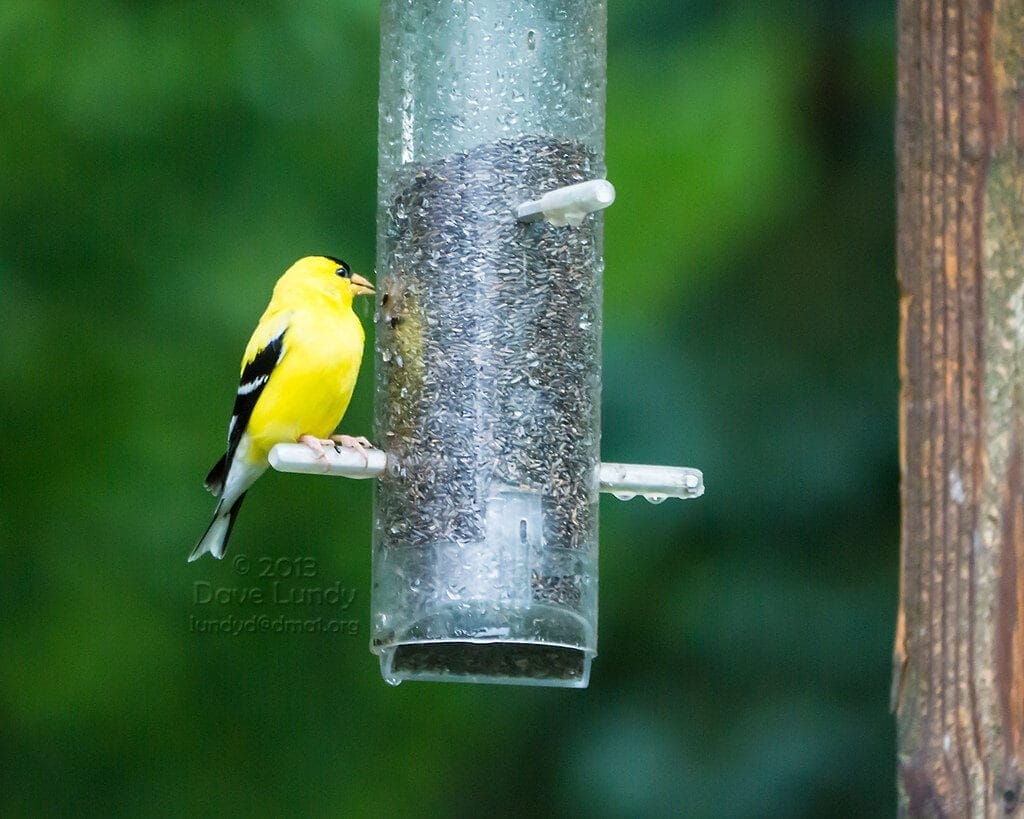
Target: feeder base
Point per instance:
(479, 662)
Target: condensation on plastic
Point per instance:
(455, 75)
(488, 342)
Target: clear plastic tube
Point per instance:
(488, 342)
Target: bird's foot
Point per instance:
(317, 445)
(358, 443)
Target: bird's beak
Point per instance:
(361, 286)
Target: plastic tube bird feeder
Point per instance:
(488, 344)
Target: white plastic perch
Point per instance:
(341, 461)
(655, 483)
(568, 205)
(625, 481)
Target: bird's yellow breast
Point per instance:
(311, 386)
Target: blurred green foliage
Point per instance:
(162, 163)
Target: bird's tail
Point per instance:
(215, 540)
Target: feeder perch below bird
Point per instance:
(624, 481)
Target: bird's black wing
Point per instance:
(255, 376)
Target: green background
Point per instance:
(162, 163)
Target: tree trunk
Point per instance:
(958, 683)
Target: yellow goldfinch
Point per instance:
(298, 373)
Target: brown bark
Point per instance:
(958, 683)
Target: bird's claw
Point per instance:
(358, 443)
(317, 445)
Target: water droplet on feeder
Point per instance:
(655, 499)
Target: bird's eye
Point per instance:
(344, 271)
